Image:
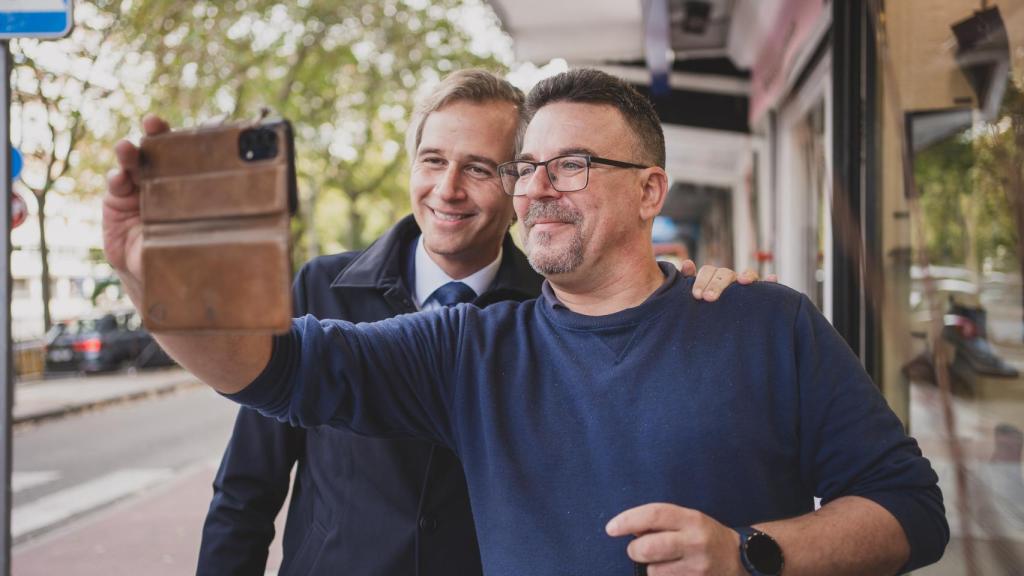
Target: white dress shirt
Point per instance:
(430, 277)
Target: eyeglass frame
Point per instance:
(590, 159)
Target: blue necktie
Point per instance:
(453, 293)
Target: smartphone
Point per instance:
(216, 206)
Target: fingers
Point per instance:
(688, 268)
(673, 540)
(654, 517)
(127, 155)
(772, 278)
(119, 182)
(122, 182)
(704, 276)
(153, 124)
(720, 281)
(657, 548)
(711, 281)
(748, 276)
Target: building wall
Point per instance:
(74, 239)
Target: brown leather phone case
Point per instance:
(216, 206)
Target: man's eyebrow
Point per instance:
(560, 152)
(468, 158)
(425, 151)
(579, 150)
(481, 159)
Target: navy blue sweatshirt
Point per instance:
(744, 410)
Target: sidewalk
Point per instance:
(995, 518)
(156, 533)
(36, 400)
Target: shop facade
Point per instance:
(879, 170)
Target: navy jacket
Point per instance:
(360, 506)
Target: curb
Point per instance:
(74, 408)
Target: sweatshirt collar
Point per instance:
(561, 314)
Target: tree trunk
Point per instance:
(1016, 192)
(355, 224)
(312, 240)
(968, 208)
(44, 251)
(1015, 183)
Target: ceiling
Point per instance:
(712, 42)
(587, 32)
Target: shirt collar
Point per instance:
(430, 276)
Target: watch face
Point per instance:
(764, 553)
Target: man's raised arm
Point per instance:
(225, 362)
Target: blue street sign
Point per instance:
(16, 163)
(35, 18)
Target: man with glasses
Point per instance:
(614, 404)
(399, 506)
(567, 173)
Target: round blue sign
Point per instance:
(16, 163)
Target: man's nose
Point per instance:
(538, 184)
(449, 187)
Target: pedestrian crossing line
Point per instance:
(25, 480)
(60, 506)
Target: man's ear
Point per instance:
(653, 193)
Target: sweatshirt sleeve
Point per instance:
(384, 379)
(852, 444)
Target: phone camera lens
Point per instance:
(255, 144)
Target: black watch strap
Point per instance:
(760, 554)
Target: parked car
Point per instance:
(102, 343)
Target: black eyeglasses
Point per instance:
(567, 173)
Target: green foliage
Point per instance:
(62, 93)
(942, 176)
(346, 73)
(972, 187)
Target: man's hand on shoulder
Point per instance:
(712, 280)
(672, 540)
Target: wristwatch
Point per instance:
(759, 553)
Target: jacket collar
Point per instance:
(380, 266)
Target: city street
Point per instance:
(121, 488)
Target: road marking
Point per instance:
(59, 506)
(25, 480)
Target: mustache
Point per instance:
(551, 210)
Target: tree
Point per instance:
(52, 84)
(345, 72)
(972, 192)
(1000, 175)
(942, 173)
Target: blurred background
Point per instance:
(870, 153)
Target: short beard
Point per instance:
(552, 261)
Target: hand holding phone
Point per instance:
(122, 227)
(215, 210)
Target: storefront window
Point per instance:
(810, 134)
(953, 215)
